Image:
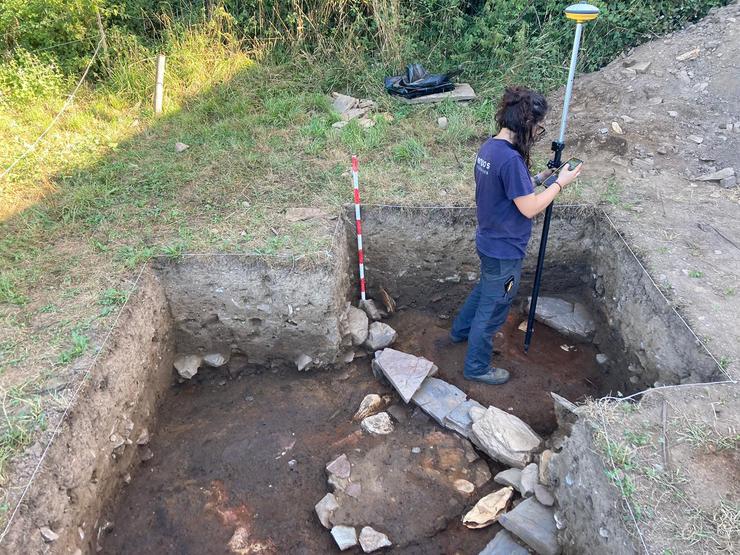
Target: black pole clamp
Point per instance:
(557, 148)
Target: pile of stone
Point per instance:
(350, 108)
(187, 365)
(340, 478)
(502, 436)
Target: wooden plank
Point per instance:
(463, 92)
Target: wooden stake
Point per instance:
(159, 85)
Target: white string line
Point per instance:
(66, 104)
(85, 375)
(621, 487)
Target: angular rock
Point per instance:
(143, 438)
(464, 486)
(696, 139)
(534, 524)
(601, 358)
(345, 536)
(48, 534)
(438, 398)
(372, 540)
(405, 372)
(641, 67)
(181, 147)
(325, 508)
(529, 479)
(511, 477)
(503, 544)
(343, 102)
(545, 458)
(543, 495)
(216, 360)
(690, 55)
(340, 467)
(370, 404)
(718, 175)
(503, 436)
(566, 317)
(488, 509)
(303, 361)
(358, 325)
(459, 420)
(371, 309)
(380, 336)
(187, 365)
(378, 424)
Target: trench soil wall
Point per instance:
(426, 258)
(96, 444)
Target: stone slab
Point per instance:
(459, 419)
(438, 398)
(345, 536)
(534, 524)
(503, 544)
(405, 372)
(462, 92)
(503, 436)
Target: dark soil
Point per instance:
(222, 449)
(573, 374)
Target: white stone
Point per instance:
(187, 365)
(529, 479)
(503, 436)
(343, 102)
(377, 424)
(372, 540)
(303, 361)
(358, 324)
(601, 358)
(216, 360)
(641, 67)
(487, 510)
(696, 139)
(380, 336)
(340, 467)
(48, 534)
(404, 371)
(345, 536)
(143, 438)
(371, 309)
(617, 128)
(464, 486)
(181, 147)
(442, 122)
(325, 508)
(568, 318)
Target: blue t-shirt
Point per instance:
(501, 176)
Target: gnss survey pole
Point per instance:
(580, 13)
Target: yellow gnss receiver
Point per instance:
(582, 12)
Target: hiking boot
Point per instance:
(494, 376)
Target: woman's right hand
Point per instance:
(566, 176)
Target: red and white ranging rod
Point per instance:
(358, 222)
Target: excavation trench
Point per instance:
(233, 459)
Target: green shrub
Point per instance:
(23, 78)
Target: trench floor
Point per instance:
(222, 449)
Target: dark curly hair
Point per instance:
(520, 110)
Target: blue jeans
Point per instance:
(485, 310)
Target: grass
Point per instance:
(22, 417)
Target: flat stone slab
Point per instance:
(534, 524)
(462, 92)
(503, 436)
(511, 477)
(378, 424)
(405, 372)
(358, 325)
(325, 508)
(503, 544)
(438, 398)
(529, 479)
(345, 536)
(339, 467)
(572, 319)
(459, 420)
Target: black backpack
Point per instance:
(417, 82)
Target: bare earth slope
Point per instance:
(648, 125)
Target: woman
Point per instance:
(506, 203)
